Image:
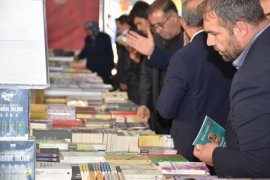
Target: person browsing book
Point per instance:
(98, 51)
(240, 32)
(165, 25)
(169, 42)
(196, 84)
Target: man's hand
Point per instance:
(205, 152)
(123, 86)
(143, 111)
(76, 58)
(144, 45)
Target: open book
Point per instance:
(210, 131)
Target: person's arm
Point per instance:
(174, 88)
(109, 50)
(146, 46)
(123, 64)
(145, 85)
(249, 129)
(247, 135)
(142, 44)
(82, 54)
(160, 58)
(145, 89)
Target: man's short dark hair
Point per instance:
(123, 19)
(191, 15)
(231, 11)
(139, 10)
(165, 5)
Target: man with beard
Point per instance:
(240, 32)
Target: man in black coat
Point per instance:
(197, 84)
(241, 36)
(162, 17)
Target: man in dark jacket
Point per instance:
(239, 31)
(197, 84)
(167, 39)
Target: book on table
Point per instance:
(17, 159)
(183, 168)
(14, 114)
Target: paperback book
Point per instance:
(183, 168)
(210, 131)
(17, 160)
(53, 171)
(14, 114)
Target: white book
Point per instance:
(53, 169)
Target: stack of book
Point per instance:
(97, 134)
(47, 155)
(17, 151)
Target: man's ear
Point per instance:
(240, 29)
(184, 24)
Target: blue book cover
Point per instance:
(210, 131)
(17, 160)
(14, 114)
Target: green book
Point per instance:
(156, 158)
(210, 131)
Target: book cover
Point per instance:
(126, 158)
(53, 170)
(210, 131)
(86, 147)
(14, 114)
(17, 160)
(47, 152)
(184, 168)
(143, 171)
(76, 174)
(156, 158)
(52, 134)
(156, 140)
(47, 159)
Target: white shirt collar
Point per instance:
(198, 32)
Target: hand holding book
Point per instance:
(210, 132)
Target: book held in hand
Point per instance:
(210, 131)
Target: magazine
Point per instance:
(210, 131)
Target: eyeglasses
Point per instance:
(161, 24)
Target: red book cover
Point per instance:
(66, 123)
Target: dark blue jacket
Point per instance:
(248, 129)
(160, 58)
(197, 84)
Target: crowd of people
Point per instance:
(212, 60)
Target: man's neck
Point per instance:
(193, 31)
(254, 30)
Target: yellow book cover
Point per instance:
(94, 116)
(38, 111)
(55, 100)
(126, 158)
(156, 140)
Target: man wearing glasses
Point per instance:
(167, 39)
(165, 24)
